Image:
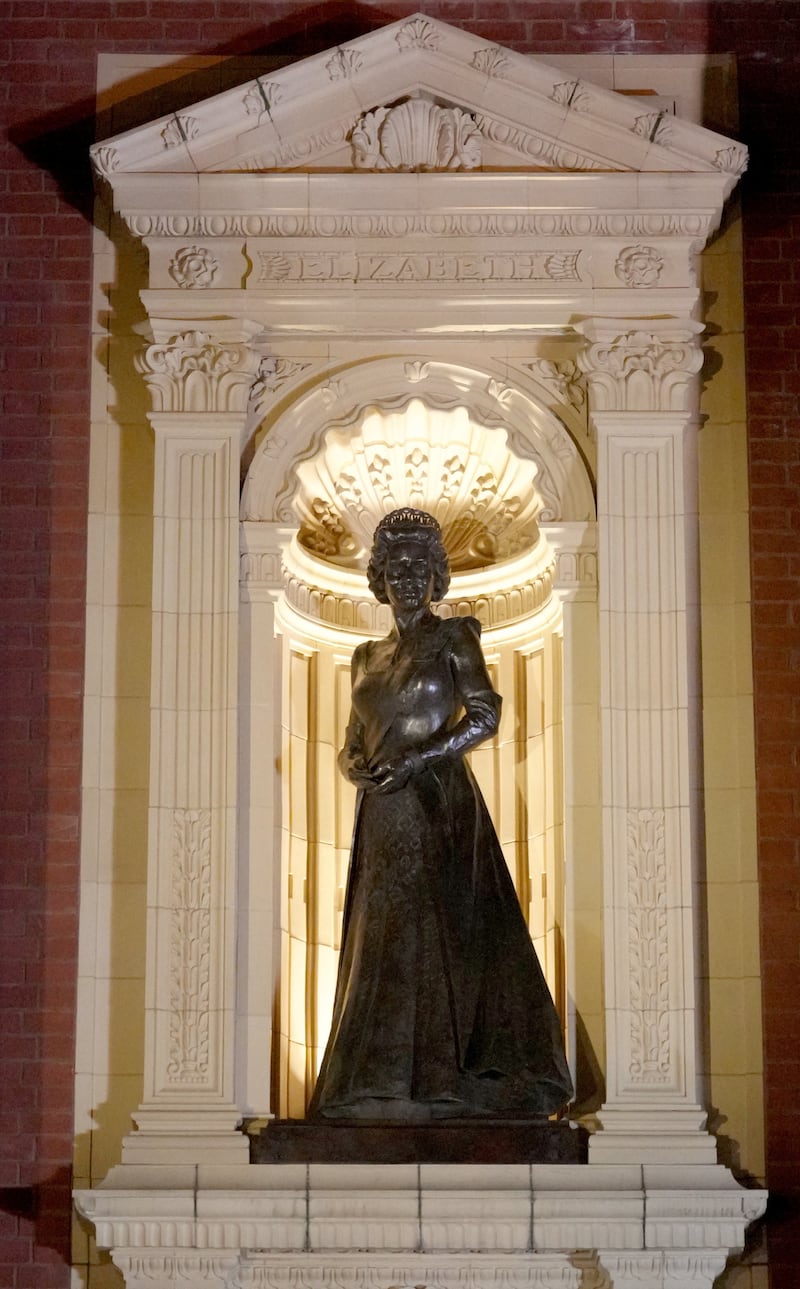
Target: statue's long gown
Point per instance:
(441, 1008)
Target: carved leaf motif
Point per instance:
(452, 475)
(492, 61)
(565, 380)
(503, 393)
(419, 33)
(332, 392)
(571, 94)
(328, 536)
(272, 374)
(105, 159)
(562, 93)
(562, 267)
(179, 130)
(344, 64)
(654, 126)
(190, 947)
(262, 96)
(732, 159)
(648, 946)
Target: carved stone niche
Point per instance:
(540, 272)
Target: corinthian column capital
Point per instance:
(209, 369)
(636, 365)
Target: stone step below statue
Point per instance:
(461, 1141)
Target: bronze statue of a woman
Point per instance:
(441, 1008)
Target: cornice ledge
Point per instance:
(675, 1211)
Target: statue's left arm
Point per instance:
(481, 704)
(480, 700)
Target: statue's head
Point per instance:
(408, 525)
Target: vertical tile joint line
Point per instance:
(419, 1208)
(307, 1241)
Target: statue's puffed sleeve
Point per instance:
(480, 700)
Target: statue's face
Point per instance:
(408, 575)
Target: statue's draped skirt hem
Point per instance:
(441, 1007)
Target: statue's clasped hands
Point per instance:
(386, 774)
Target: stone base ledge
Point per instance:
(417, 1224)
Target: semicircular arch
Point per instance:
(341, 397)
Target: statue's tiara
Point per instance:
(408, 517)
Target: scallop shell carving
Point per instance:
(484, 496)
(416, 135)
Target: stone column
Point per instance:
(199, 383)
(262, 897)
(575, 583)
(641, 377)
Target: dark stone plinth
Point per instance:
(459, 1141)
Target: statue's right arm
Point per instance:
(352, 761)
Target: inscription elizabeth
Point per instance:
(533, 266)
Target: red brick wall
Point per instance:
(49, 48)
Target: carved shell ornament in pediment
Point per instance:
(484, 496)
(416, 135)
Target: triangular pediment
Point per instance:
(418, 94)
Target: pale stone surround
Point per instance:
(281, 305)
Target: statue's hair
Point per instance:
(405, 525)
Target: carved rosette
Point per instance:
(194, 266)
(193, 372)
(639, 266)
(651, 369)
